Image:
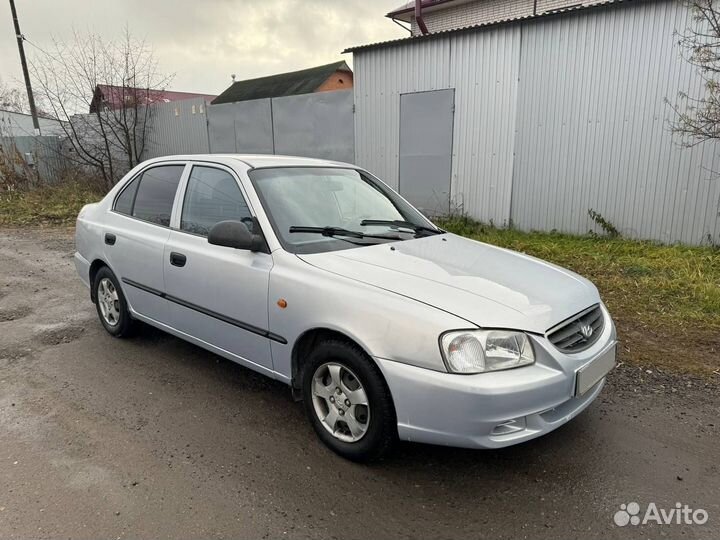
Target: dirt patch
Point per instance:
(14, 353)
(14, 313)
(63, 334)
(629, 379)
(684, 351)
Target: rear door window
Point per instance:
(156, 194)
(124, 202)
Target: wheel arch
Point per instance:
(95, 267)
(305, 343)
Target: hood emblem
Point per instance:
(586, 330)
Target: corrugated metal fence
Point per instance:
(311, 125)
(43, 156)
(177, 128)
(592, 129)
(554, 117)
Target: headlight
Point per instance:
(478, 351)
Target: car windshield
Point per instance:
(343, 205)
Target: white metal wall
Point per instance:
(483, 68)
(384, 75)
(485, 73)
(553, 117)
(593, 127)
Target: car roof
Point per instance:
(259, 160)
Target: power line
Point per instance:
(38, 47)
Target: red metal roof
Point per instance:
(115, 97)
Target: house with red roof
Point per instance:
(111, 97)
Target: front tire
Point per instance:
(348, 402)
(111, 304)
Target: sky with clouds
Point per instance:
(203, 42)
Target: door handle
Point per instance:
(177, 259)
(110, 239)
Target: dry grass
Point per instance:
(58, 204)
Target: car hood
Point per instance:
(485, 285)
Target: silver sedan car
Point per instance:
(319, 275)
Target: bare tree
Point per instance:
(115, 81)
(12, 99)
(698, 117)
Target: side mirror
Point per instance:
(234, 234)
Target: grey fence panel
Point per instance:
(244, 127)
(221, 127)
(178, 127)
(253, 127)
(311, 125)
(87, 129)
(315, 125)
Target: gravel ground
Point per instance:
(152, 437)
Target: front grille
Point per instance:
(578, 332)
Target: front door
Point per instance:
(426, 129)
(217, 294)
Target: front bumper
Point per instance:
(492, 410)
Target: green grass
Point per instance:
(665, 298)
(58, 204)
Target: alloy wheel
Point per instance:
(109, 302)
(340, 402)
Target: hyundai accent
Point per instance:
(318, 274)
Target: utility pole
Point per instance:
(23, 62)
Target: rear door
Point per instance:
(217, 294)
(135, 233)
(426, 129)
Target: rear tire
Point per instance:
(111, 304)
(348, 402)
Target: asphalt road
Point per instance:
(154, 438)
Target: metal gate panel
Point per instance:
(316, 125)
(426, 128)
(253, 127)
(244, 127)
(221, 128)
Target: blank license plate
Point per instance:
(591, 373)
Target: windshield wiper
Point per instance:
(401, 223)
(339, 231)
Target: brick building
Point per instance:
(443, 15)
(335, 76)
